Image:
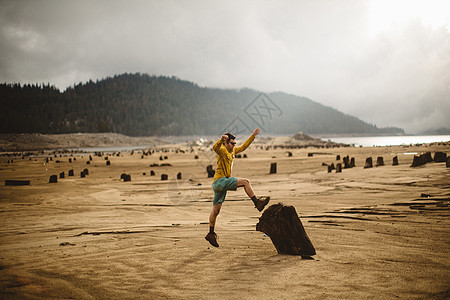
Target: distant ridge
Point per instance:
(144, 105)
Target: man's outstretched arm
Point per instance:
(248, 141)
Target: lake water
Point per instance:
(365, 141)
(371, 141)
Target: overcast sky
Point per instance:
(384, 61)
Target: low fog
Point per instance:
(386, 62)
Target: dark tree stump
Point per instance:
(352, 162)
(428, 157)
(17, 182)
(368, 163)
(440, 157)
(53, 179)
(346, 161)
(338, 168)
(380, 161)
(282, 224)
(395, 161)
(273, 168)
(210, 171)
(125, 177)
(418, 161)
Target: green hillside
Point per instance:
(143, 105)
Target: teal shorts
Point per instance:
(221, 186)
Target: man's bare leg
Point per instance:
(211, 237)
(247, 186)
(214, 213)
(259, 203)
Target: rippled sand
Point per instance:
(101, 238)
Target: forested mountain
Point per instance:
(143, 105)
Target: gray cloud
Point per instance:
(317, 49)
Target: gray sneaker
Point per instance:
(262, 202)
(212, 239)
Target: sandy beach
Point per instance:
(379, 233)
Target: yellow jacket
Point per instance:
(225, 158)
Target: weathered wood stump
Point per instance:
(16, 182)
(210, 171)
(368, 163)
(282, 224)
(352, 162)
(338, 168)
(125, 177)
(428, 157)
(273, 168)
(395, 161)
(53, 179)
(418, 161)
(346, 161)
(380, 161)
(440, 157)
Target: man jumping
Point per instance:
(223, 182)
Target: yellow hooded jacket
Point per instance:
(225, 158)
